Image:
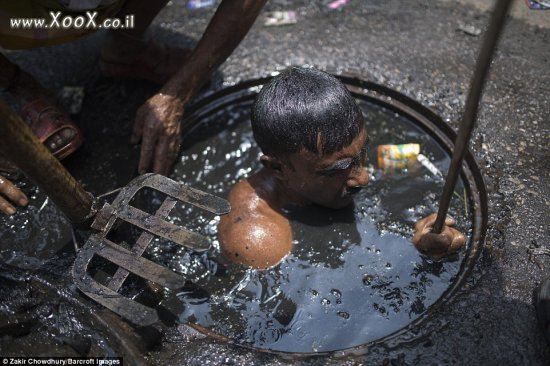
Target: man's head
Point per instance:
(313, 136)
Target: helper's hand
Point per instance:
(158, 121)
(158, 126)
(9, 195)
(437, 245)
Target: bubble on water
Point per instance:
(367, 279)
(380, 308)
(343, 314)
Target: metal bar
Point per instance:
(19, 144)
(200, 199)
(141, 244)
(157, 226)
(140, 266)
(127, 308)
(470, 111)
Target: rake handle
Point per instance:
(470, 112)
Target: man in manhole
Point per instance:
(313, 139)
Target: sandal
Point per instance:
(48, 122)
(166, 61)
(542, 303)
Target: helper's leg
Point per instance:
(128, 54)
(39, 110)
(19, 83)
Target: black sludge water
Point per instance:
(353, 276)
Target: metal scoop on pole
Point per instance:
(20, 145)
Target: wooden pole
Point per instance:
(19, 144)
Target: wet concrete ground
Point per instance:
(415, 47)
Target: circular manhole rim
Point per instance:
(421, 116)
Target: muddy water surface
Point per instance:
(34, 234)
(353, 276)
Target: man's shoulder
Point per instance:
(253, 233)
(250, 195)
(242, 192)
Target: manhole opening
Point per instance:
(354, 278)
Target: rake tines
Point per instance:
(131, 261)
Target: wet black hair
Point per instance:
(300, 104)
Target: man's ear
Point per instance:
(273, 164)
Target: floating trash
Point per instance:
(277, 18)
(397, 157)
(426, 163)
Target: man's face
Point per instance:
(331, 180)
